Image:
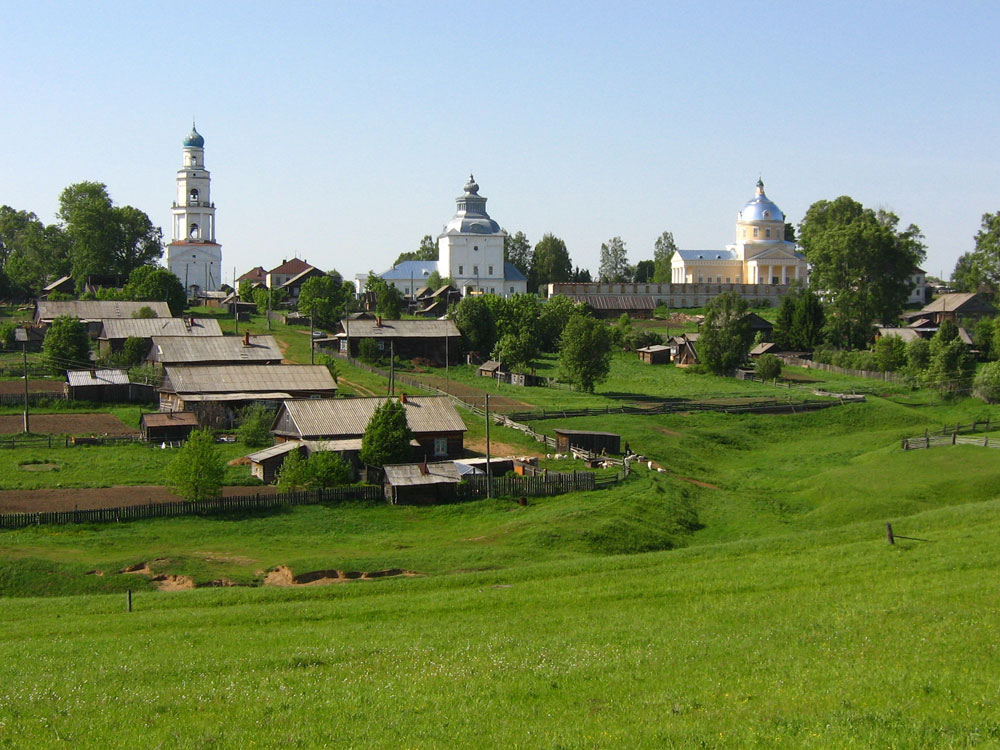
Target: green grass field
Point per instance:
(744, 597)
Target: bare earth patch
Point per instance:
(87, 498)
(34, 386)
(173, 583)
(500, 449)
(67, 424)
(665, 431)
(282, 576)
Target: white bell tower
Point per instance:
(193, 255)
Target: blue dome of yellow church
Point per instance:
(761, 208)
(194, 139)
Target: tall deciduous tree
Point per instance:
(388, 299)
(585, 352)
(31, 253)
(967, 276)
(863, 264)
(799, 323)
(644, 271)
(985, 259)
(387, 436)
(614, 261)
(428, 250)
(104, 238)
(726, 333)
(156, 283)
(196, 472)
(663, 253)
(517, 251)
(324, 299)
(550, 262)
(66, 345)
(475, 320)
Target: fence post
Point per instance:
(954, 437)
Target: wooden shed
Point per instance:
(657, 354)
(167, 426)
(421, 484)
(264, 464)
(97, 385)
(595, 442)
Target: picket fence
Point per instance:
(214, 506)
(555, 483)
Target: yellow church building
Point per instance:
(760, 255)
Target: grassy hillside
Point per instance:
(815, 640)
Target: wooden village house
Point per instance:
(216, 392)
(115, 332)
(435, 340)
(436, 425)
(214, 350)
(170, 427)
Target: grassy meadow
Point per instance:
(744, 596)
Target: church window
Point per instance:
(512, 290)
(493, 290)
(700, 279)
(194, 231)
(768, 232)
(475, 270)
(475, 248)
(718, 279)
(491, 270)
(461, 270)
(744, 232)
(194, 195)
(728, 280)
(756, 231)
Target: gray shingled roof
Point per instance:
(195, 349)
(247, 379)
(614, 301)
(95, 309)
(350, 416)
(365, 328)
(956, 301)
(145, 328)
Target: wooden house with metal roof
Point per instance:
(171, 426)
(954, 307)
(435, 340)
(654, 354)
(436, 425)
(93, 312)
(216, 392)
(115, 332)
(203, 351)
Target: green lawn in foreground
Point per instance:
(815, 640)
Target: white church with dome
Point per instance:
(193, 255)
(470, 252)
(760, 255)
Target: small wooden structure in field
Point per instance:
(422, 483)
(170, 426)
(595, 442)
(657, 354)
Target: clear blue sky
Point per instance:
(342, 132)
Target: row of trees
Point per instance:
(90, 236)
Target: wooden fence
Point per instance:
(555, 483)
(34, 398)
(952, 435)
(669, 407)
(65, 441)
(889, 377)
(215, 506)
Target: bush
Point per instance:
(293, 475)
(66, 345)
(890, 353)
(768, 367)
(987, 383)
(255, 429)
(196, 471)
(369, 352)
(918, 355)
(327, 469)
(133, 351)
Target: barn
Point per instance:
(421, 484)
(657, 354)
(169, 427)
(595, 442)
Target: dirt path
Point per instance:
(359, 389)
(37, 501)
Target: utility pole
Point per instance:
(236, 303)
(312, 341)
(392, 368)
(24, 355)
(489, 468)
(269, 308)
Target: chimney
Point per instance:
(402, 398)
(423, 468)
(378, 321)
(191, 321)
(246, 338)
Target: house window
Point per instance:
(461, 270)
(343, 345)
(440, 446)
(381, 345)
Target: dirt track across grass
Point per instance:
(67, 424)
(473, 395)
(37, 501)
